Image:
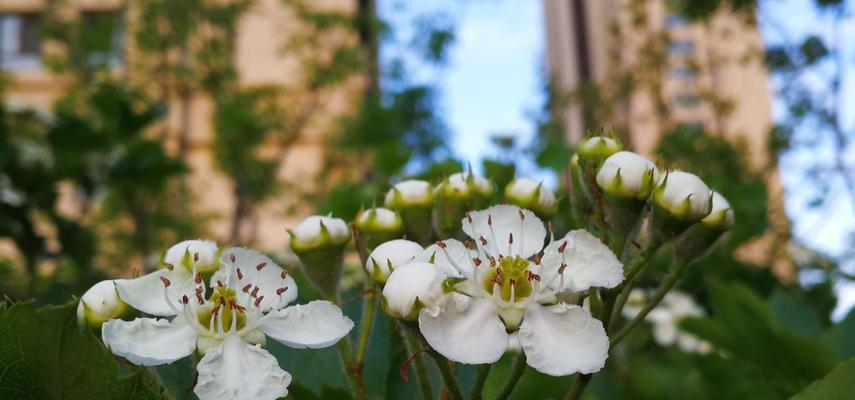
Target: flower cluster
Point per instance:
(226, 323)
(665, 318)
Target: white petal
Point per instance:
(416, 280)
(468, 332)
(528, 232)
(268, 279)
(100, 303)
(149, 341)
(563, 339)
(315, 325)
(452, 260)
(395, 253)
(590, 263)
(237, 370)
(146, 292)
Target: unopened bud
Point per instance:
(411, 287)
(413, 201)
(531, 195)
(390, 255)
(101, 303)
(683, 195)
(319, 243)
(200, 255)
(721, 216)
(378, 225)
(454, 196)
(702, 236)
(628, 175)
(598, 148)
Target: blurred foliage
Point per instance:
(45, 355)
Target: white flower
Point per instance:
(721, 215)
(182, 264)
(532, 195)
(319, 231)
(683, 195)
(412, 282)
(247, 305)
(390, 255)
(666, 318)
(409, 193)
(101, 303)
(627, 174)
(507, 288)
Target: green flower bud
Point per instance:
(413, 201)
(454, 196)
(378, 225)
(319, 242)
(629, 175)
(598, 148)
(679, 200)
(101, 303)
(531, 195)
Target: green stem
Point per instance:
(676, 270)
(633, 272)
(480, 378)
(369, 306)
(421, 370)
(448, 376)
(516, 373)
(354, 371)
(580, 382)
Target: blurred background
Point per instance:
(126, 126)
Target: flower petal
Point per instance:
(420, 281)
(528, 232)
(563, 339)
(390, 255)
(465, 330)
(256, 270)
(452, 260)
(590, 263)
(238, 370)
(315, 325)
(146, 292)
(149, 341)
(196, 254)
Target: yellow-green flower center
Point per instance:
(223, 302)
(510, 272)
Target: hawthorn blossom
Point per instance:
(665, 319)
(683, 195)
(509, 283)
(247, 304)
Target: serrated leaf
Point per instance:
(45, 355)
(838, 384)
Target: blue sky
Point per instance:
(493, 80)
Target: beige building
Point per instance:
(260, 60)
(706, 74)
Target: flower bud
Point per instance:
(598, 148)
(101, 303)
(454, 196)
(413, 201)
(390, 255)
(378, 225)
(412, 287)
(317, 232)
(700, 237)
(683, 195)
(629, 175)
(531, 195)
(319, 243)
(200, 255)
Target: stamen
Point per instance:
(469, 245)
(561, 268)
(246, 288)
(510, 243)
(165, 281)
(562, 247)
(261, 266)
(239, 273)
(513, 290)
(537, 259)
(198, 278)
(532, 276)
(169, 266)
(477, 261)
(280, 291)
(255, 292)
(492, 261)
(200, 298)
(220, 322)
(483, 241)
(469, 217)
(258, 301)
(522, 216)
(220, 283)
(441, 244)
(284, 273)
(184, 299)
(232, 257)
(195, 257)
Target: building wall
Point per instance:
(260, 60)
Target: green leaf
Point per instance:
(794, 314)
(840, 336)
(45, 355)
(838, 384)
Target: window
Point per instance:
(20, 44)
(681, 47)
(103, 35)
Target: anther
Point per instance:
(537, 258)
(280, 291)
(551, 227)
(165, 281)
(562, 247)
(477, 261)
(561, 268)
(490, 219)
(168, 266)
(533, 277)
(200, 298)
(261, 266)
(510, 238)
(246, 288)
(258, 301)
(199, 290)
(195, 257)
(522, 216)
(232, 257)
(198, 278)
(441, 244)
(239, 273)
(220, 283)
(492, 261)
(469, 217)
(483, 241)
(468, 244)
(255, 292)
(184, 299)
(284, 274)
